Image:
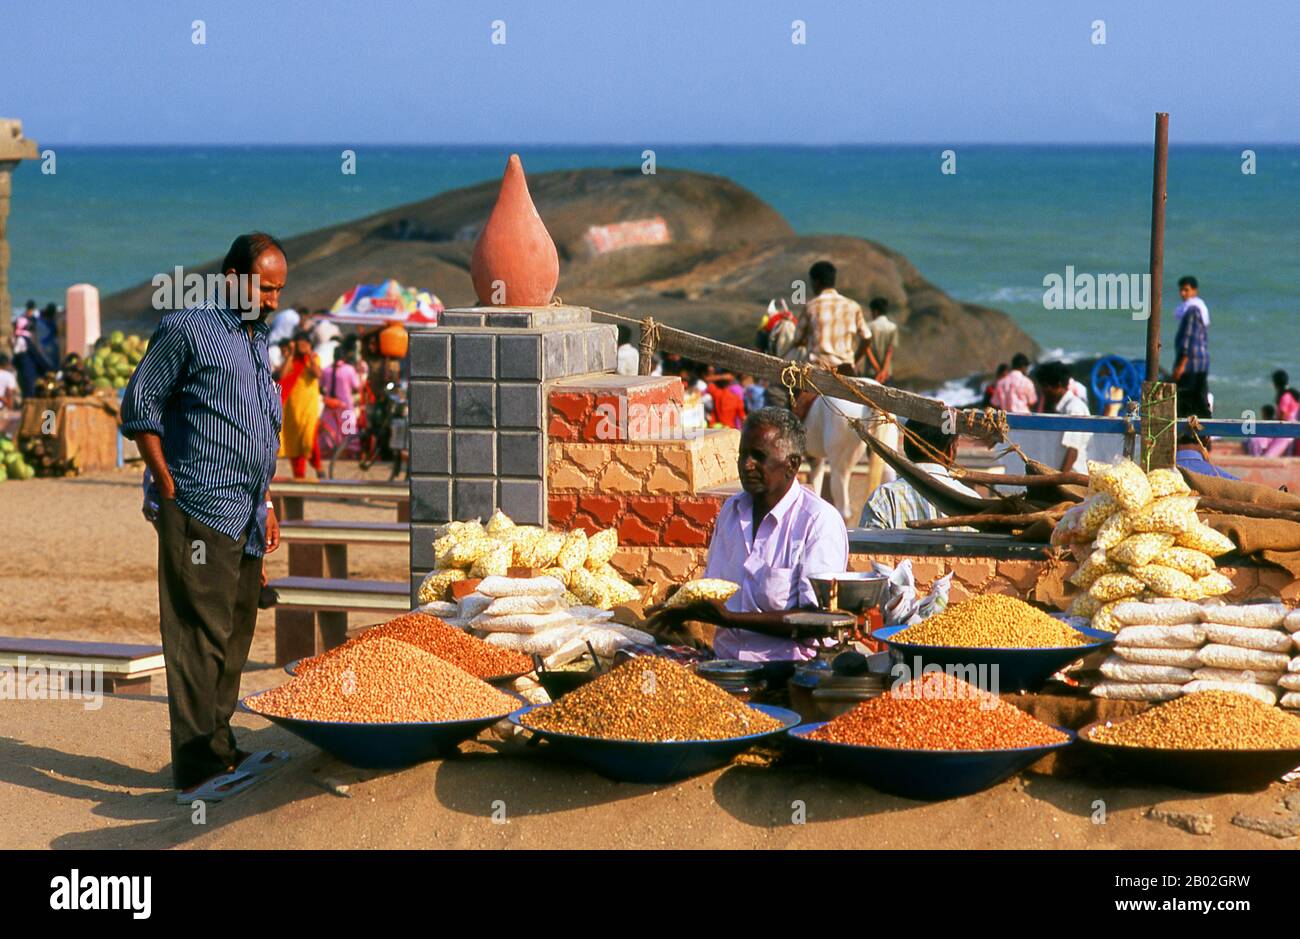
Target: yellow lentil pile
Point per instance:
(384, 681)
(992, 621)
(650, 699)
(1206, 720)
(481, 659)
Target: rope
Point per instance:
(797, 376)
(1195, 426)
(650, 335)
(1150, 434)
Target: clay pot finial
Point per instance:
(514, 262)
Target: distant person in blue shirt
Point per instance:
(1192, 366)
(1190, 457)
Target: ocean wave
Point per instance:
(1018, 294)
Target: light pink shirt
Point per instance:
(1016, 392)
(802, 536)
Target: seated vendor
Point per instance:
(769, 539)
(896, 503)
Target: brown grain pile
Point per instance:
(938, 712)
(992, 621)
(1206, 720)
(650, 699)
(479, 658)
(384, 681)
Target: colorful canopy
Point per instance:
(387, 302)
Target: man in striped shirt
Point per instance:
(205, 412)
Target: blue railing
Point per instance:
(1120, 425)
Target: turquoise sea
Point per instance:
(989, 233)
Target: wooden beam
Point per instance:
(1159, 194)
(905, 404)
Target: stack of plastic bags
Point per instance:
(529, 615)
(1165, 649)
(579, 563)
(1139, 538)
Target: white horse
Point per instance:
(833, 444)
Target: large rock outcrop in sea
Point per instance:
(727, 254)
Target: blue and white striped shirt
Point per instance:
(206, 388)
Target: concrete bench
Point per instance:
(319, 548)
(125, 668)
(289, 495)
(312, 613)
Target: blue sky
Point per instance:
(650, 72)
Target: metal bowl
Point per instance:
(858, 591)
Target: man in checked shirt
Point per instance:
(205, 412)
(833, 328)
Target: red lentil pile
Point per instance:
(938, 712)
(481, 659)
(650, 699)
(383, 681)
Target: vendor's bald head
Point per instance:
(772, 443)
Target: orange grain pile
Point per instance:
(938, 712)
(426, 632)
(384, 681)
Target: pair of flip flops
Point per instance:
(246, 774)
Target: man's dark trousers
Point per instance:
(207, 604)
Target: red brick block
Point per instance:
(573, 407)
(701, 511)
(560, 429)
(585, 522)
(681, 533)
(606, 510)
(633, 531)
(653, 509)
(559, 509)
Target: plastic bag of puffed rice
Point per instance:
(1291, 701)
(601, 547)
(519, 586)
(539, 603)
(1294, 665)
(1258, 692)
(1203, 538)
(1118, 669)
(1192, 563)
(1245, 675)
(1084, 605)
(1267, 640)
(1110, 587)
(1140, 549)
(1139, 655)
(1137, 691)
(1289, 681)
(573, 553)
(1166, 582)
(1123, 480)
(1114, 530)
(1233, 657)
(1140, 613)
(1251, 615)
(1213, 585)
(512, 641)
(1104, 618)
(1096, 564)
(1167, 482)
(1292, 622)
(1172, 514)
(494, 561)
(1182, 636)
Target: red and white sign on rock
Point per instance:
(602, 239)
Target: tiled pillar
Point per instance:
(478, 415)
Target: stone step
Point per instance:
(613, 408)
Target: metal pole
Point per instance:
(1159, 180)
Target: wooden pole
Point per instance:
(1159, 181)
(1159, 399)
(646, 363)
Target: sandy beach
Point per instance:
(78, 564)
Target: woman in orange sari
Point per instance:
(300, 396)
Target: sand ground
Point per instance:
(77, 561)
